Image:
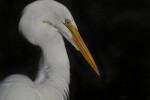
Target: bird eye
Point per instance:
(68, 24)
(67, 21)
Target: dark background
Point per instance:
(115, 31)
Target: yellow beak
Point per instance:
(78, 41)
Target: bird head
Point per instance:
(44, 20)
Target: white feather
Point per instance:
(41, 25)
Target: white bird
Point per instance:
(44, 23)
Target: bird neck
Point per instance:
(55, 70)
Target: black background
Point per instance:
(116, 33)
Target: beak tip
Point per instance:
(98, 73)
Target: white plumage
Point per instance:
(43, 23)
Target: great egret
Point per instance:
(44, 23)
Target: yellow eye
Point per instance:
(68, 24)
(67, 21)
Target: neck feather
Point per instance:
(54, 74)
